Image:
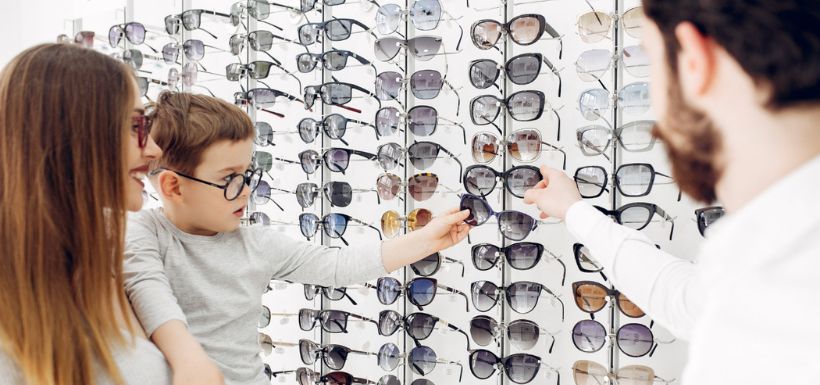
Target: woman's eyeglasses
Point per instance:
(521, 368)
(234, 183)
(522, 296)
(522, 333)
(419, 291)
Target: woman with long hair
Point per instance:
(74, 146)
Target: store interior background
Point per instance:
(29, 23)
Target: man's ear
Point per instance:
(696, 61)
(169, 186)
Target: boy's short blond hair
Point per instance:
(185, 125)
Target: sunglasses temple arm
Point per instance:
(559, 301)
(368, 225)
(554, 111)
(460, 166)
(350, 299)
(452, 260)
(458, 45)
(287, 160)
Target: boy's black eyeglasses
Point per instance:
(234, 183)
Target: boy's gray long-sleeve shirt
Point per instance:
(214, 284)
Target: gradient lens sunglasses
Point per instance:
(419, 326)
(707, 216)
(522, 296)
(432, 263)
(421, 121)
(633, 339)
(591, 373)
(522, 333)
(513, 225)
(638, 215)
(333, 60)
(519, 256)
(521, 368)
(521, 70)
(333, 355)
(481, 180)
(523, 30)
(524, 145)
(392, 222)
(419, 291)
(591, 297)
(334, 225)
(331, 321)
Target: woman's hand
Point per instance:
(554, 194)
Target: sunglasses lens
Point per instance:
(387, 121)
(262, 193)
(171, 25)
(523, 296)
(426, 14)
(334, 294)
(483, 330)
(594, 140)
(261, 40)
(387, 48)
(485, 256)
(585, 261)
(388, 358)
(635, 179)
(259, 218)
(305, 62)
(422, 187)
(422, 120)
(426, 84)
(388, 85)
(590, 373)
(526, 30)
(389, 379)
(589, 297)
(422, 360)
(484, 295)
(336, 94)
(628, 308)
(339, 29)
(592, 64)
(480, 211)
(524, 69)
(388, 323)
(486, 33)
(335, 60)
(634, 98)
(482, 363)
(309, 160)
(522, 178)
(521, 368)
(484, 109)
(637, 136)
(635, 375)
(427, 266)
(388, 18)
(334, 321)
(307, 319)
(135, 33)
(191, 20)
(418, 218)
(264, 134)
(387, 186)
(479, 180)
(260, 10)
(189, 74)
(422, 291)
(307, 351)
(594, 104)
(194, 49)
(388, 290)
(308, 130)
(524, 334)
(170, 52)
(483, 73)
(708, 217)
(524, 145)
(142, 83)
(308, 224)
(424, 47)
(335, 225)
(515, 225)
(635, 340)
(636, 62)
(264, 318)
(340, 194)
(524, 255)
(485, 147)
(591, 181)
(310, 292)
(589, 336)
(336, 357)
(305, 194)
(594, 26)
(338, 378)
(633, 21)
(308, 33)
(266, 343)
(420, 325)
(423, 154)
(391, 223)
(526, 106)
(636, 217)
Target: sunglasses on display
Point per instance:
(513, 225)
(334, 126)
(422, 155)
(633, 137)
(258, 218)
(521, 368)
(419, 326)
(264, 97)
(425, 15)
(309, 5)
(421, 121)
(336, 30)
(523, 334)
(135, 58)
(143, 83)
(304, 376)
(191, 20)
(420, 291)
(424, 85)
(422, 360)
(259, 41)
(591, 297)
(423, 48)
(256, 70)
(523, 145)
(133, 31)
(432, 263)
(585, 262)
(631, 180)
(338, 193)
(519, 256)
(522, 296)
(523, 30)
(334, 225)
(593, 64)
(333, 355)
(331, 321)
(333, 60)
(520, 70)
(342, 378)
(638, 215)
(259, 10)
(335, 159)
(86, 38)
(633, 339)
(335, 94)
(141, 127)
(392, 222)
(234, 183)
(330, 293)
(421, 187)
(594, 26)
(591, 373)
(187, 77)
(481, 180)
(265, 134)
(522, 106)
(707, 216)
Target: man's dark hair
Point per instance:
(777, 42)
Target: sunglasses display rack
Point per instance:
(569, 65)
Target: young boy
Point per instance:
(195, 278)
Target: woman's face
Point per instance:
(137, 160)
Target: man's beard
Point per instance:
(694, 159)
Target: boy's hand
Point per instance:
(446, 230)
(554, 194)
(198, 371)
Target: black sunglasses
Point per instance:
(513, 225)
(192, 20)
(330, 293)
(591, 297)
(331, 321)
(133, 31)
(519, 256)
(420, 291)
(335, 30)
(631, 180)
(521, 69)
(633, 339)
(522, 333)
(339, 193)
(264, 97)
(334, 126)
(707, 216)
(421, 121)
(334, 225)
(419, 326)
(522, 296)
(431, 264)
(234, 183)
(422, 155)
(523, 30)
(333, 60)
(481, 180)
(521, 368)
(333, 355)
(638, 215)
(335, 94)
(585, 262)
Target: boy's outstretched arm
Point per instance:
(441, 233)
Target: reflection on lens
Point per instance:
(480, 211)
(485, 256)
(523, 333)
(483, 330)
(422, 120)
(485, 147)
(594, 26)
(484, 295)
(515, 225)
(524, 145)
(388, 290)
(635, 340)
(523, 296)
(390, 223)
(422, 291)
(418, 218)
(522, 178)
(422, 186)
(591, 181)
(388, 357)
(422, 360)
(526, 30)
(483, 73)
(426, 84)
(387, 85)
(482, 363)
(589, 336)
